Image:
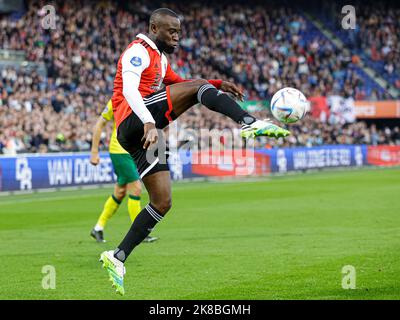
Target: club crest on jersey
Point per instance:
(136, 61)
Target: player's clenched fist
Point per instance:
(94, 158)
(150, 135)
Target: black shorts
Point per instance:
(130, 133)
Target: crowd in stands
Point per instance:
(56, 112)
(379, 37)
(375, 35)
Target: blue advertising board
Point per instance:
(39, 171)
(26, 172)
(305, 158)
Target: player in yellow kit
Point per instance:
(128, 180)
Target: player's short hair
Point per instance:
(160, 13)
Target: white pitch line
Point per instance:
(18, 201)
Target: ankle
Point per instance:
(247, 119)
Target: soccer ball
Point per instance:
(289, 105)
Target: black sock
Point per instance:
(140, 229)
(209, 96)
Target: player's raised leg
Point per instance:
(186, 94)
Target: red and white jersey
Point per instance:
(142, 58)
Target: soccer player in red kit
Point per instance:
(141, 106)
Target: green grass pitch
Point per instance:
(275, 238)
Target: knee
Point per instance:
(199, 82)
(163, 206)
(200, 86)
(135, 188)
(120, 194)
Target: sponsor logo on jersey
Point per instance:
(136, 61)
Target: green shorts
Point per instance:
(124, 168)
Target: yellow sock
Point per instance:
(110, 207)
(133, 206)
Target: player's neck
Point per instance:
(160, 45)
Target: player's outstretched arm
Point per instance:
(96, 135)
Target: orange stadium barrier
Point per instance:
(377, 109)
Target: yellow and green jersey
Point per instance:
(114, 146)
